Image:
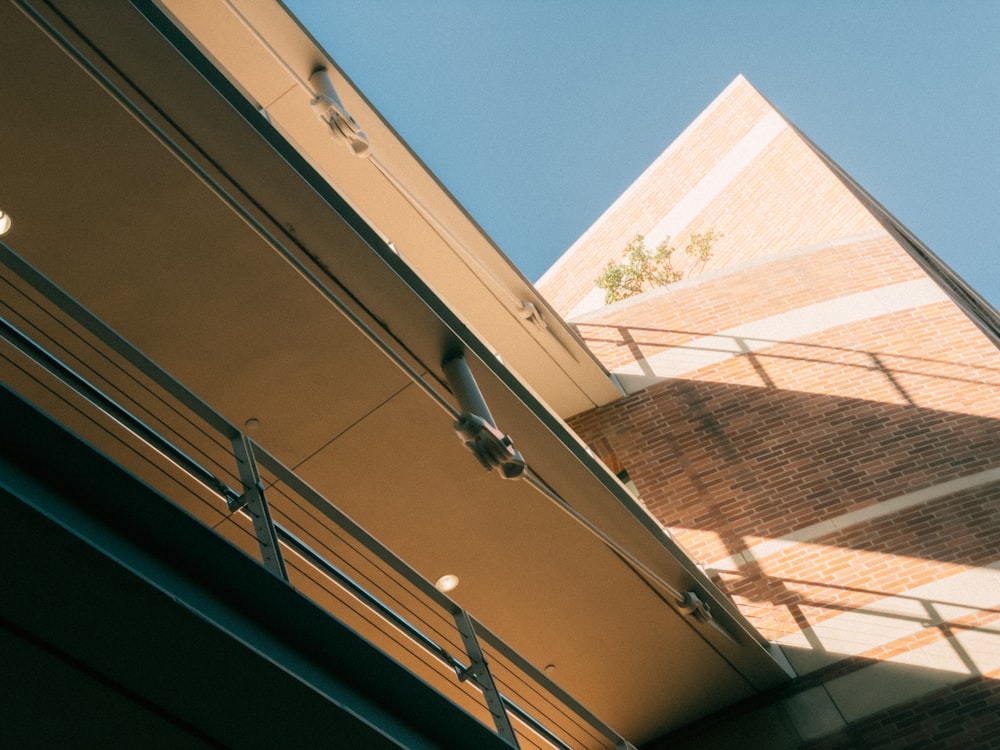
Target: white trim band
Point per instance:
(782, 328)
(869, 513)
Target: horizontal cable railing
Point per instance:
(84, 374)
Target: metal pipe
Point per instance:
(464, 387)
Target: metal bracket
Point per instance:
(480, 673)
(475, 425)
(472, 672)
(254, 504)
(328, 106)
(691, 604)
(239, 502)
(492, 448)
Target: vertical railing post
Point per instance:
(255, 503)
(479, 671)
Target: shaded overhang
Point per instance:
(141, 181)
(128, 625)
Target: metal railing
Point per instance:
(79, 370)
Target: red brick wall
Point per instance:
(744, 457)
(724, 466)
(676, 314)
(763, 445)
(858, 566)
(961, 717)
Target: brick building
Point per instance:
(812, 414)
(239, 329)
(241, 324)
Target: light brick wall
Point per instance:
(816, 474)
(750, 210)
(663, 184)
(719, 301)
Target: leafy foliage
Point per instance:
(641, 269)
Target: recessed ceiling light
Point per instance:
(446, 583)
(5, 223)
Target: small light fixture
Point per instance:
(446, 583)
(5, 223)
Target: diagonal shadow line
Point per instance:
(889, 372)
(946, 628)
(696, 334)
(927, 622)
(933, 620)
(860, 590)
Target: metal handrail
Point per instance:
(421, 584)
(106, 404)
(111, 407)
(140, 429)
(412, 631)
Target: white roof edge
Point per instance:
(268, 54)
(636, 183)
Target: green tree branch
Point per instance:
(641, 269)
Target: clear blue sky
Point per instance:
(537, 115)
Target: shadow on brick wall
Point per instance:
(643, 356)
(809, 508)
(934, 710)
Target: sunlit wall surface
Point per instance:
(809, 412)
